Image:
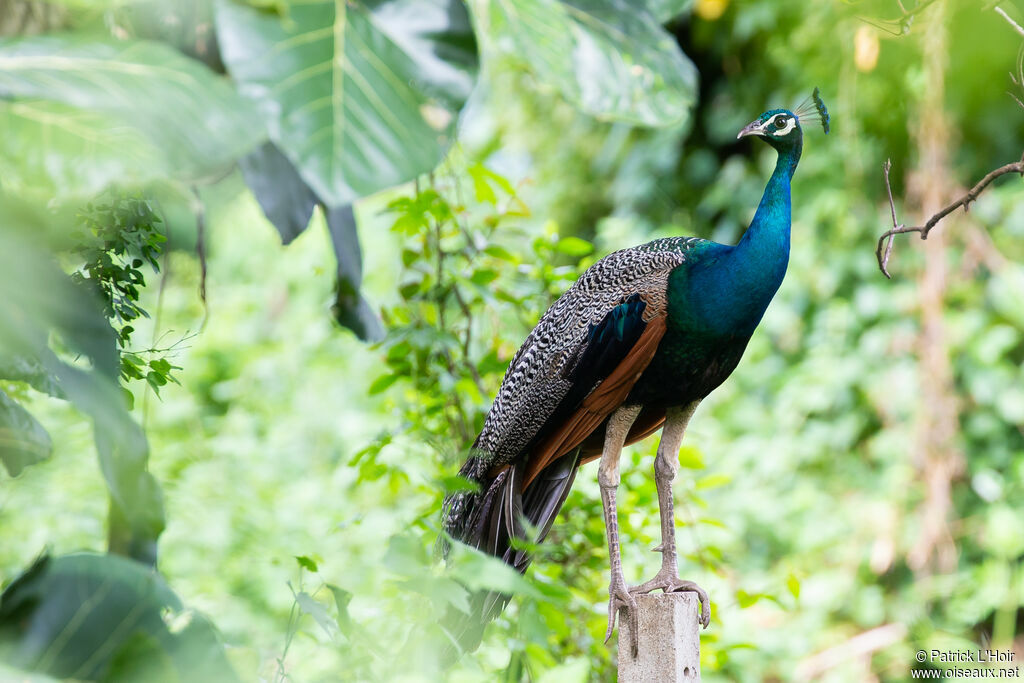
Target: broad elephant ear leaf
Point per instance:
(142, 109)
(91, 616)
(611, 58)
(356, 98)
(37, 301)
(339, 92)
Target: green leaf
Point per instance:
(42, 300)
(341, 599)
(481, 187)
(141, 110)
(89, 616)
(58, 150)
(477, 571)
(690, 457)
(611, 58)
(382, 383)
(746, 599)
(282, 194)
(23, 441)
(793, 584)
(23, 369)
(666, 10)
(574, 246)
(316, 610)
(499, 252)
(185, 24)
(441, 591)
(350, 308)
(455, 484)
(713, 481)
(574, 670)
(307, 563)
(355, 98)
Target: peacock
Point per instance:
(631, 347)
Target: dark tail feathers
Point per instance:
(488, 520)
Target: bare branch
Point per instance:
(901, 24)
(884, 248)
(1016, 27)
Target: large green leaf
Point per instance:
(58, 150)
(23, 441)
(352, 96)
(609, 57)
(88, 616)
(37, 300)
(167, 114)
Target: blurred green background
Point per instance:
(851, 495)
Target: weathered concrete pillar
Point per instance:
(669, 640)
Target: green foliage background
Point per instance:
(301, 469)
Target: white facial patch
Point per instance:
(790, 125)
(769, 125)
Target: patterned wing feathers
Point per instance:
(599, 403)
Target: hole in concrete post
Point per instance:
(686, 671)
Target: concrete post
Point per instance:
(669, 640)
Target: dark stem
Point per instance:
(884, 249)
(200, 212)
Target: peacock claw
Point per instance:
(667, 581)
(620, 598)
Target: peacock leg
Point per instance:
(608, 477)
(666, 464)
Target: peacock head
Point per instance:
(780, 128)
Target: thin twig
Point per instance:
(1016, 27)
(200, 213)
(903, 22)
(884, 250)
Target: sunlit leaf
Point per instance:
(355, 95)
(167, 113)
(713, 481)
(58, 150)
(793, 585)
(307, 563)
(609, 57)
(691, 457)
(574, 246)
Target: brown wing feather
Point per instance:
(599, 404)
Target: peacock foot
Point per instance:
(667, 581)
(620, 598)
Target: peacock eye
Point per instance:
(780, 123)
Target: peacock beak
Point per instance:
(752, 128)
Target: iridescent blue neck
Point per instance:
(768, 234)
(754, 268)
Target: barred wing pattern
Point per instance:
(540, 375)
